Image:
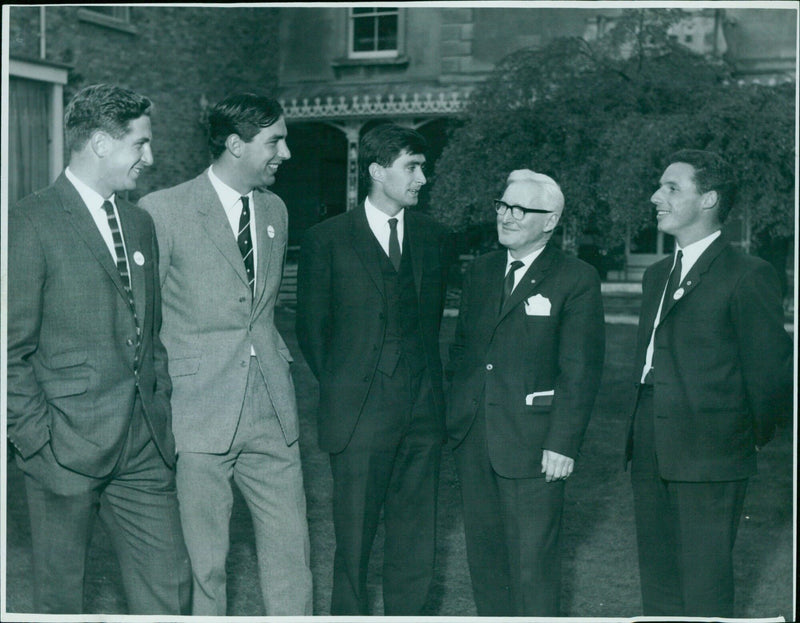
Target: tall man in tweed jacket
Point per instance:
(222, 238)
(88, 389)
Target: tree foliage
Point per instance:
(601, 116)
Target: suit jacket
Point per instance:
(341, 312)
(73, 368)
(211, 319)
(722, 364)
(549, 337)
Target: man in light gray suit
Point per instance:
(222, 238)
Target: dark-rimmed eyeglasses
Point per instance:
(517, 212)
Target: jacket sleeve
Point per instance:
(163, 389)
(313, 301)
(27, 276)
(765, 349)
(581, 351)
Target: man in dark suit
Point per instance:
(223, 238)
(714, 371)
(88, 388)
(370, 297)
(526, 365)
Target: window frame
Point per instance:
(375, 54)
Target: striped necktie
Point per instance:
(122, 267)
(246, 243)
(119, 249)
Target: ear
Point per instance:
(100, 143)
(709, 199)
(235, 145)
(376, 172)
(552, 221)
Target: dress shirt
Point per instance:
(231, 201)
(379, 224)
(691, 253)
(526, 264)
(94, 203)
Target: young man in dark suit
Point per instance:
(371, 288)
(88, 388)
(714, 370)
(527, 360)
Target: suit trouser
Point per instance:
(512, 528)
(137, 505)
(269, 475)
(391, 462)
(685, 531)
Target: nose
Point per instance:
(656, 197)
(421, 177)
(283, 150)
(147, 155)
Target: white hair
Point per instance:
(547, 184)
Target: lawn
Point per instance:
(600, 577)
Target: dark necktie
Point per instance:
(394, 244)
(673, 281)
(246, 242)
(508, 282)
(122, 262)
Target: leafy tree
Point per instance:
(601, 116)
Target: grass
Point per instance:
(600, 576)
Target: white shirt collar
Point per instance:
(526, 261)
(227, 195)
(692, 252)
(92, 199)
(375, 215)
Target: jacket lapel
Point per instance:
(86, 228)
(133, 245)
(695, 275)
(265, 244)
(413, 246)
(216, 224)
(530, 281)
(366, 246)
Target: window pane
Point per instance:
(387, 32)
(363, 35)
(357, 11)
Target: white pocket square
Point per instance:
(537, 305)
(540, 397)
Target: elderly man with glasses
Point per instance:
(525, 365)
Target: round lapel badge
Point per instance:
(678, 293)
(138, 258)
(271, 231)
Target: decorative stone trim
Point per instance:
(367, 106)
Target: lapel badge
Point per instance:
(678, 293)
(138, 258)
(270, 231)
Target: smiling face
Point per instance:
(125, 158)
(260, 158)
(681, 209)
(398, 184)
(533, 230)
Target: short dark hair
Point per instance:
(711, 172)
(244, 114)
(102, 107)
(383, 144)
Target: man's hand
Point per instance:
(556, 466)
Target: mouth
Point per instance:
(660, 213)
(273, 168)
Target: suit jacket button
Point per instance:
(489, 366)
(242, 299)
(129, 342)
(366, 378)
(474, 403)
(243, 364)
